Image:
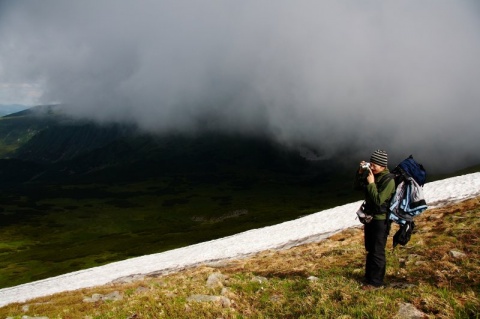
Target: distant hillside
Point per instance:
(18, 128)
(64, 141)
(68, 149)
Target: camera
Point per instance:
(365, 166)
(364, 170)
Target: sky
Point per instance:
(312, 228)
(338, 76)
(22, 93)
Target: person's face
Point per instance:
(376, 168)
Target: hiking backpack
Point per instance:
(408, 200)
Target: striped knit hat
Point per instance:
(379, 157)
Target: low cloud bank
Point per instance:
(332, 75)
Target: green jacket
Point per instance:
(377, 196)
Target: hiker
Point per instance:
(372, 178)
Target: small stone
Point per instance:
(114, 296)
(94, 298)
(215, 280)
(457, 254)
(225, 291)
(312, 278)
(260, 279)
(128, 279)
(408, 311)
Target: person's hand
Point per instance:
(370, 177)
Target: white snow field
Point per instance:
(314, 227)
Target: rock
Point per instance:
(94, 298)
(260, 279)
(128, 279)
(408, 311)
(455, 254)
(312, 278)
(215, 280)
(226, 263)
(225, 291)
(218, 264)
(113, 296)
(223, 301)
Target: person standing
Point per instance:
(378, 185)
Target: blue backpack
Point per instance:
(409, 167)
(408, 200)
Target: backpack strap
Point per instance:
(385, 206)
(386, 178)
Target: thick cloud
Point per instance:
(335, 75)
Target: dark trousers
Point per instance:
(376, 233)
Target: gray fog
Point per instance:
(341, 77)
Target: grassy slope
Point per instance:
(423, 273)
